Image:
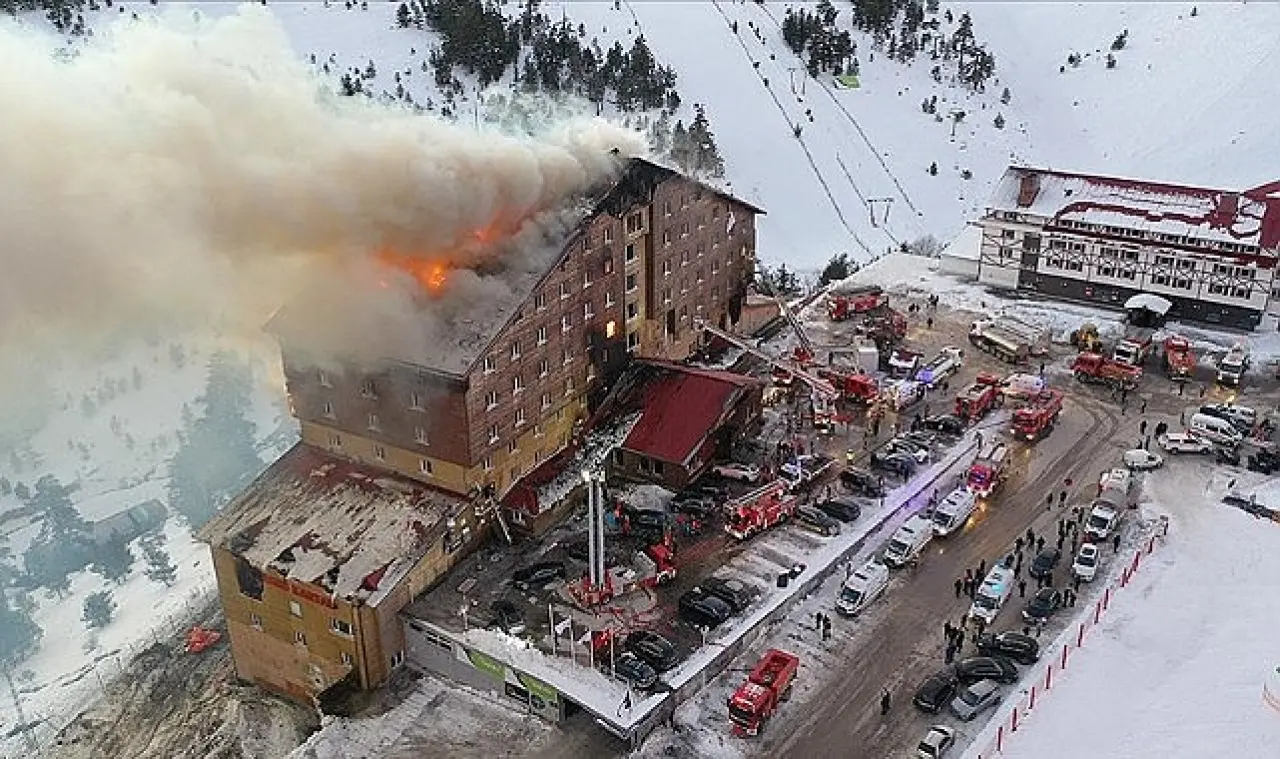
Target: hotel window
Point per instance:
(633, 340)
(328, 410)
(568, 386)
(564, 290)
(540, 301)
(566, 357)
(699, 275)
(335, 441)
(666, 237)
(300, 637)
(666, 295)
(684, 258)
(517, 384)
(666, 208)
(255, 622)
(346, 658)
(324, 379)
(684, 229)
(666, 268)
(586, 278)
(489, 365)
(542, 335)
(380, 453)
(420, 435)
(702, 248)
(487, 464)
(632, 311)
(426, 467)
(715, 266)
(608, 235)
(543, 367)
(491, 399)
(415, 401)
(373, 422)
(635, 222)
(512, 447)
(340, 626)
(295, 609)
(630, 252)
(515, 350)
(366, 389)
(608, 265)
(566, 323)
(520, 417)
(493, 433)
(631, 283)
(608, 299)
(546, 401)
(587, 310)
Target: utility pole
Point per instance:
(32, 747)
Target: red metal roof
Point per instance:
(681, 408)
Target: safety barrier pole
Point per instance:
(1048, 677)
(1097, 612)
(999, 739)
(1031, 704)
(1080, 636)
(1064, 656)
(1106, 598)
(1014, 726)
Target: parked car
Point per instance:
(507, 617)
(702, 609)
(646, 519)
(538, 575)
(1012, 645)
(632, 669)
(975, 699)
(1265, 462)
(935, 692)
(655, 650)
(737, 471)
(977, 668)
(736, 593)
(1181, 442)
(816, 520)
(936, 743)
(1142, 460)
(923, 437)
(1242, 418)
(947, 424)
(1228, 456)
(917, 451)
(1044, 563)
(695, 507)
(1042, 605)
(705, 491)
(1086, 564)
(901, 464)
(844, 509)
(861, 482)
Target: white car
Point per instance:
(1086, 564)
(1181, 442)
(739, 472)
(1140, 459)
(915, 450)
(936, 742)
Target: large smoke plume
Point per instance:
(177, 170)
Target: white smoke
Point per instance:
(179, 170)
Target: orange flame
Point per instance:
(430, 272)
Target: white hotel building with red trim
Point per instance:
(1101, 240)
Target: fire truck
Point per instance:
(976, 400)
(759, 510)
(1178, 360)
(988, 470)
(1135, 347)
(885, 327)
(856, 300)
(859, 388)
(1094, 368)
(768, 685)
(653, 566)
(1038, 417)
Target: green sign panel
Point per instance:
(496, 669)
(539, 688)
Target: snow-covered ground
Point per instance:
(112, 475)
(1178, 667)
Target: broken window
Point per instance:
(249, 579)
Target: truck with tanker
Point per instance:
(941, 367)
(1135, 347)
(1037, 418)
(1097, 369)
(768, 685)
(979, 398)
(988, 470)
(1008, 339)
(1231, 367)
(1178, 359)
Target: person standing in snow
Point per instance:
(885, 702)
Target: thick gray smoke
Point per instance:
(177, 171)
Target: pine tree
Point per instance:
(706, 156)
(1006, 96)
(19, 634)
(999, 121)
(836, 269)
(159, 566)
(404, 19)
(112, 560)
(99, 609)
(1111, 61)
(933, 169)
(681, 153)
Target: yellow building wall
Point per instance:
(263, 639)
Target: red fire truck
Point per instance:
(988, 470)
(860, 388)
(757, 699)
(1094, 368)
(976, 400)
(859, 300)
(1179, 360)
(759, 510)
(1038, 417)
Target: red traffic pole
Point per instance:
(1106, 599)
(1064, 656)
(999, 739)
(1032, 703)
(1097, 613)
(1014, 726)
(1080, 636)
(1048, 677)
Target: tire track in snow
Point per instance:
(858, 127)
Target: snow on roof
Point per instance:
(1149, 302)
(353, 530)
(1251, 217)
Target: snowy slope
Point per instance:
(1178, 669)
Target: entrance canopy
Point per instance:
(1148, 302)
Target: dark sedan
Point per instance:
(538, 575)
(935, 692)
(1044, 562)
(632, 669)
(1043, 604)
(703, 609)
(977, 668)
(900, 464)
(947, 424)
(655, 650)
(1021, 648)
(736, 593)
(862, 483)
(844, 509)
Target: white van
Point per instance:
(862, 587)
(991, 595)
(954, 510)
(1212, 428)
(1102, 521)
(1023, 385)
(907, 543)
(904, 393)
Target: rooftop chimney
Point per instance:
(1028, 189)
(1225, 212)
